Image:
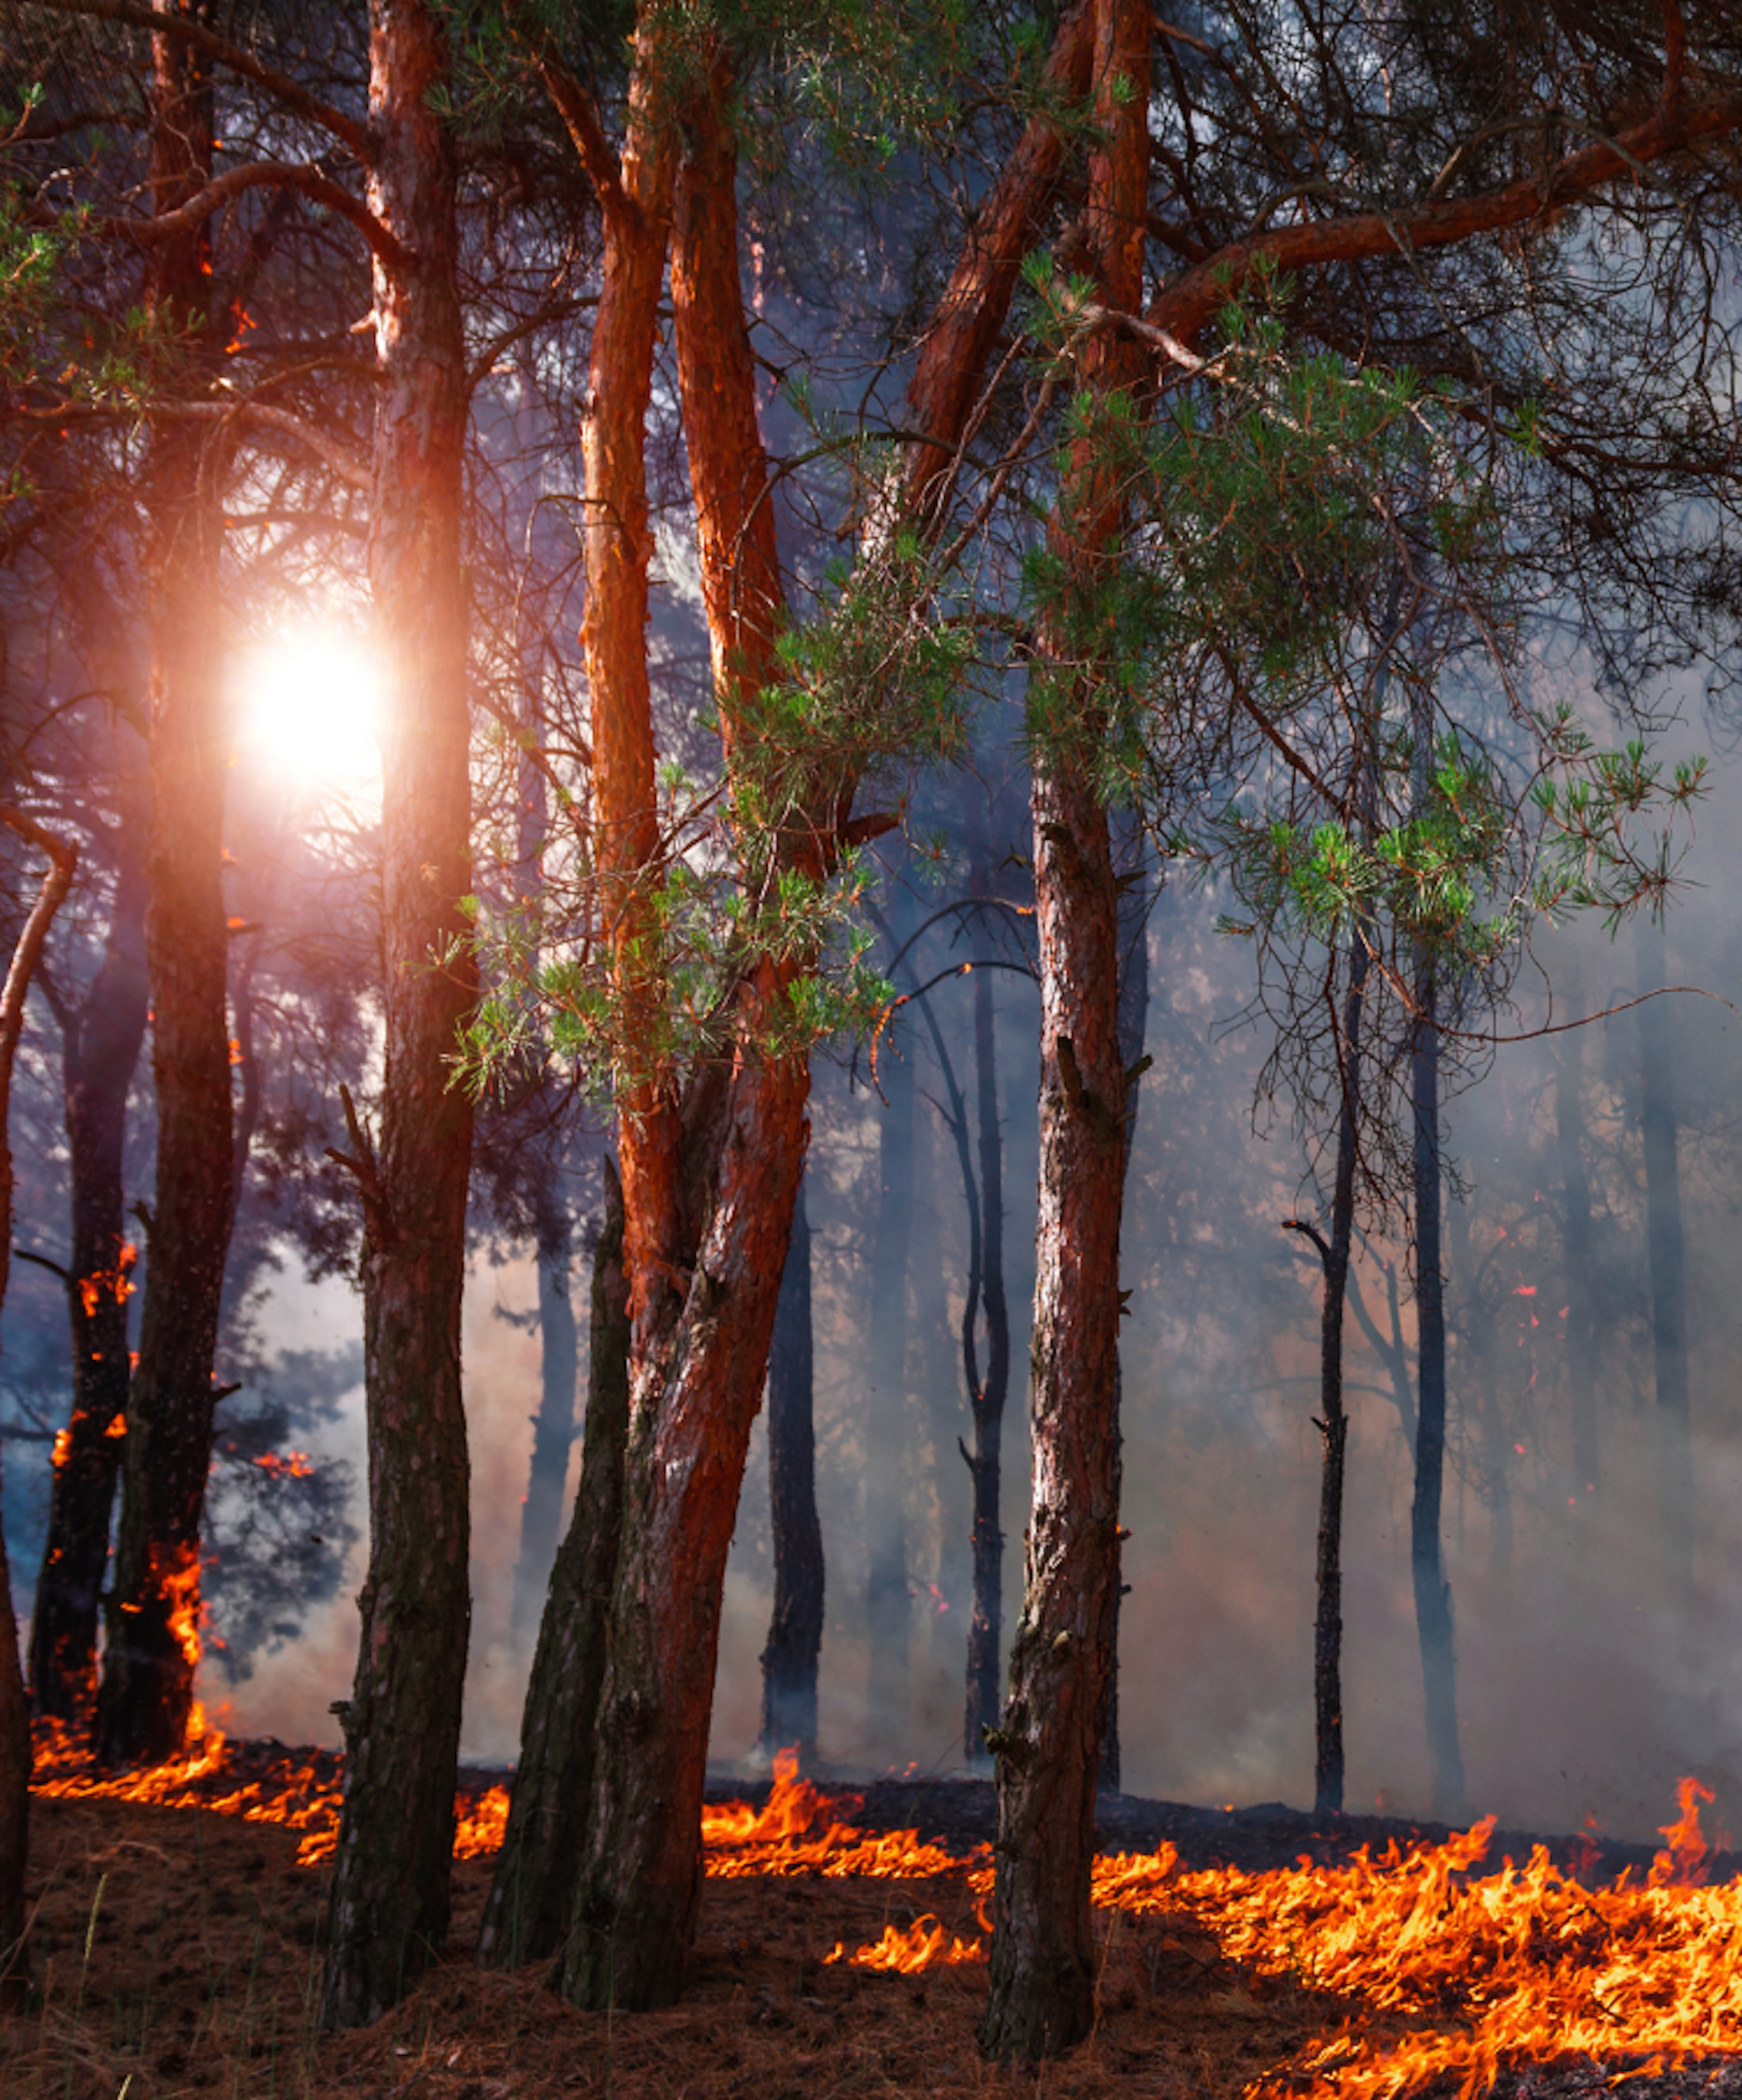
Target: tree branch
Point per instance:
(261, 174)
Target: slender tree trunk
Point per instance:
(15, 1707)
(101, 1044)
(1041, 1998)
(389, 1904)
(888, 1600)
(794, 1632)
(1578, 1244)
(1433, 1593)
(145, 1702)
(1665, 1258)
(1333, 1423)
(526, 1915)
(987, 1398)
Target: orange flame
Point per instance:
(292, 1465)
(925, 1945)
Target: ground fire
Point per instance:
(1450, 1967)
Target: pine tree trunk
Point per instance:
(101, 1045)
(1665, 1258)
(794, 1632)
(526, 1915)
(389, 1904)
(15, 1706)
(1042, 1993)
(1333, 1423)
(1433, 1593)
(145, 1701)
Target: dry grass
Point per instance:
(175, 1952)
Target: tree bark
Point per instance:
(526, 1914)
(145, 1702)
(101, 1041)
(1664, 1252)
(1041, 1998)
(390, 1895)
(794, 1632)
(15, 1707)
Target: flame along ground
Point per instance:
(1520, 1964)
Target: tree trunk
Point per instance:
(1042, 1993)
(14, 1706)
(1433, 1593)
(101, 1043)
(145, 1702)
(390, 1895)
(1664, 1256)
(526, 1915)
(987, 1397)
(1334, 1424)
(795, 1631)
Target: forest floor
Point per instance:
(174, 1952)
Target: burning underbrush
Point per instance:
(177, 1953)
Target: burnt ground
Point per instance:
(175, 1952)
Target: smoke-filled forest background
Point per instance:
(1583, 1690)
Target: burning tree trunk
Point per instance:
(1041, 1998)
(1663, 1257)
(15, 1709)
(389, 1896)
(101, 1040)
(526, 1915)
(794, 1632)
(146, 1699)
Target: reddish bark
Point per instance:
(1041, 1998)
(15, 1709)
(389, 1896)
(146, 1697)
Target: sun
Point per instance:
(309, 704)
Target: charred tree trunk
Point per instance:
(1041, 1997)
(889, 1599)
(794, 1632)
(526, 1915)
(14, 1706)
(1433, 1593)
(1578, 1244)
(389, 1904)
(1665, 1257)
(145, 1702)
(101, 1041)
